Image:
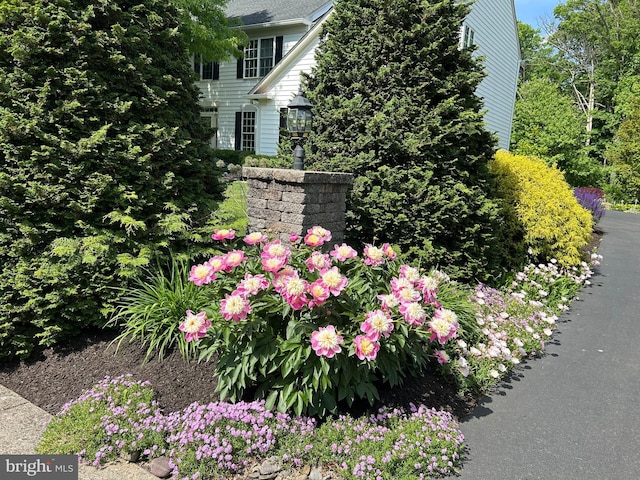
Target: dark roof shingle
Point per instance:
(252, 12)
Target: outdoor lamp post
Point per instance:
(299, 118)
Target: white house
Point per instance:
(245, 102)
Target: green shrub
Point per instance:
(103, 160)
(537, 197)
(265, 161)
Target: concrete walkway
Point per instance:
(21, 425)
(575, 413)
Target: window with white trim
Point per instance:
(467, 36)
(248, 131)
(259, 57)
(209, 119)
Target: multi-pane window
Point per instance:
(209, 119)
(249, 131)
(206, 70)
(259, 57)
(467, 36)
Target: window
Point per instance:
(206, 70)
(467, 36)
(260, 56)
(248, 132)
(209, 119)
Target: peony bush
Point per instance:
(305, 325)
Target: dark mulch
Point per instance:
(57, 375)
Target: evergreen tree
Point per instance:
(103, 159)
(395, 104)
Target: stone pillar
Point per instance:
(292, 201)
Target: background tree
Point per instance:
(396, 105)
(547, 125)
(599, 44)
(103, 160)
(539, 59)
(208, 31)
(624, 156)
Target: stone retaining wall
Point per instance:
(292, 201)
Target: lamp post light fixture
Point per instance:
(299, 121)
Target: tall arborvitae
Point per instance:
(102, 158)
(396, 105)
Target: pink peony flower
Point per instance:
(202, 274)
(218, 263)
(413, 313)
(195, 326)
(398, 284)
(320, 293)
(235, 307)
(408, 295)
(335, 281)
(294, 291)
(376, 324)
(443, 326)
(313, 240)
(326, 341)
(321, 232)
(374, 256)
(282, 276)
(275, 249)
(252, 284)
(254, 238)
(410, 273)
(294, 237)
(429, 287)
(389, 251)
(343, 252)
(442, 356)
(318, 261)
(273, 264)
(388, 301)
(233, 259)
(223, 234)
(366, 349)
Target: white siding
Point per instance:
(282, 92)
(229, 95)
(496, 36)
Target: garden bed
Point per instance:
(58, 375)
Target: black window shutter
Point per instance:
(238, 130)
(240, 66)
(216, 71)
(279, 41)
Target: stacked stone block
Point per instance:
(292, 201)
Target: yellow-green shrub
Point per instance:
(537, 196)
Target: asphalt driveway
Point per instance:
(575, 413)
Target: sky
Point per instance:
(530, 11)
